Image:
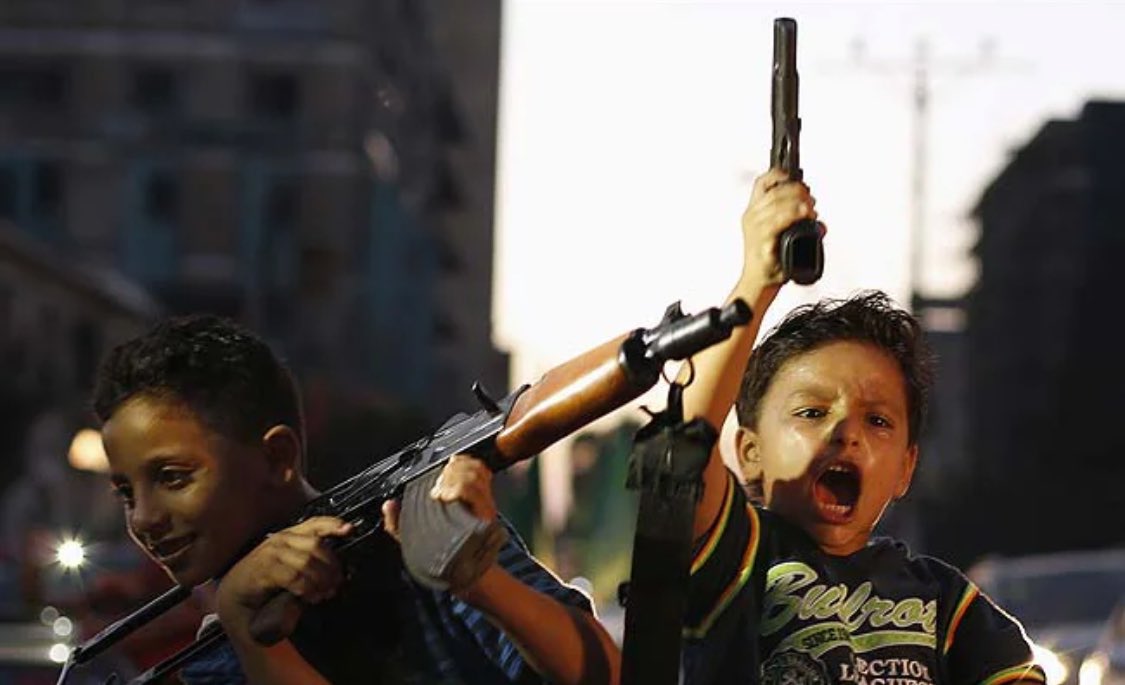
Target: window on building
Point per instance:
(280, 210)
(274, 96)
(445, 331)
(149, 250)
(86, 347)
(445, 191)
(46, 191)
(161, 201)
(281, 205)
(156, 90)
(43, 85)
(7, 312)
(9, 193)
(448, 259)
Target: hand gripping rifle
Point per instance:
(502, 432)
(800, 249)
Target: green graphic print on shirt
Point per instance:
(829, 626)
(767, 605)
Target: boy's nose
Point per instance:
(148, 520)
(846, 431)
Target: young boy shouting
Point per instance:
(792, 588)
(204, 432)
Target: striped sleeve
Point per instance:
(491, 641)
(983, 645)
(723, 561)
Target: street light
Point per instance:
(70, 554)
(87, 452)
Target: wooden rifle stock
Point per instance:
(565, 399)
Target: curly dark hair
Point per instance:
(225, 374)
(869, 317)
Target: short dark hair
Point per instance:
(868, 317)
(222, 372)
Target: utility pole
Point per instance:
(921, 69)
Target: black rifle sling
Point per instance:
(666, 466)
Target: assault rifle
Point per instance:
(502, 432)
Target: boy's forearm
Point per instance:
(280, 664)
(719, 368)
(717, 377)
(562, 643)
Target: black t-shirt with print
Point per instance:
(768, 605)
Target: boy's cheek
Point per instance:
(794, 456)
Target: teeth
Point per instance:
(839, 468)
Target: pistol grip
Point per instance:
(801, 252)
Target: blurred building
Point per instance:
(320, 170)
(1045, 368)
(57, 317)
(943, 463)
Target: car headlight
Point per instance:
(1053, 665)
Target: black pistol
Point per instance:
(799, 248)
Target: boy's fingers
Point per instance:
(322, 526)
(311, 546)
(310, 581)
(476, 495)
(458, 472)
(391, 510)
(767, 181)
(785, 192)
(467, 480)
(303, 562)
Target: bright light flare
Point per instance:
(59, 653)
(62, 626)
(48, 615)
(71, 554)
(1093, 670)
(1053, 665)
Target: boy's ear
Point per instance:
(283, 454)
(908, 472)
(746, 453)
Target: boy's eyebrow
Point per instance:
(810, 391)
(824, 393)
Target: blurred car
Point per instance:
(1106, 665)
(1062, 599)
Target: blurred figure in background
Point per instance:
(597, 541)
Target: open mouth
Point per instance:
(836, 491)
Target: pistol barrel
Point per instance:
(785, 152)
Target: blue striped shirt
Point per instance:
(459, 644)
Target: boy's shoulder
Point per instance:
(892, 557)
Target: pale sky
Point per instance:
(630, 133)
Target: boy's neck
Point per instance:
(845, 549)
(292, 503)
